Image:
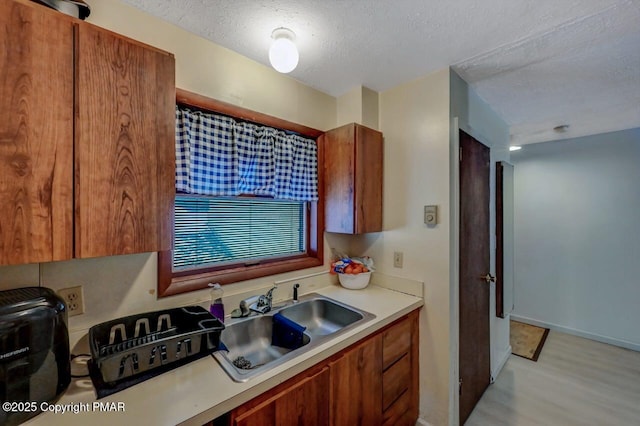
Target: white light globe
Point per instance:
(283, 55)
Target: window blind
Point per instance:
(216, 230)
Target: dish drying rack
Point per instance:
(137, 344)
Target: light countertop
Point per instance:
(201, 391)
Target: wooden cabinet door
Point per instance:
(401, 371)
(339, 178)
(36, 134)
(124, 146)
(304, 404)
(353, 179)
(368, 184)
(356, 385)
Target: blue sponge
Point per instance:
(286, 333)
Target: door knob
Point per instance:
(489, 278)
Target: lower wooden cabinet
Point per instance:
(356, 385)
(373, 382)
(304, 403)
(400, 372)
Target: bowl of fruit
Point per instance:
(353, 273)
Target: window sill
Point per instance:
(199, 281)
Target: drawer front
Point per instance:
(396, 342)
(395, 381)
(398, 412)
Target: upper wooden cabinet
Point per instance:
(125, 145)
(36, 135)
(353, 179)
(86, 139)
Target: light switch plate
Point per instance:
(431, 215)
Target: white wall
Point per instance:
(359, 105)
(420, 168)
(577, 235)
(414, 119)
(476, 118)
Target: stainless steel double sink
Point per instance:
(248, 341)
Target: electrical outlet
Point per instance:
(72, 297)
(397, 259)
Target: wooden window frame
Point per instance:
(171, 283)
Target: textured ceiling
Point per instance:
(538, 63)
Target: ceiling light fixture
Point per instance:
(283, 53)
(515, 148)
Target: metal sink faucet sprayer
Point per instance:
(296, 286)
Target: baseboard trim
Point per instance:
(580, 333)
(500, 366)
(422, 422)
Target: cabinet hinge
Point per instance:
(460, 153)
(460, 387)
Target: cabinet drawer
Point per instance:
(395, 381)
(396, 342)
(398, 412)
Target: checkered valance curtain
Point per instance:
(215, 155)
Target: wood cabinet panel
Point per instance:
(396, 341)
(396, 414)
(401, 371)
(307, 404)
(262, 415)
(339, 178)
(124, 148)
(353, 179)
(356, 385)
(303, 404)
(36, 135)
(368, 194)
(396, 381)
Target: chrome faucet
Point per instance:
(264, 303)
(260, 304)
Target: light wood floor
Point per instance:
(576, 381)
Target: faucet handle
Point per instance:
(269, 293)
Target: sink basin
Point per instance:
(251, 340)
(321, 316)
(250, 351)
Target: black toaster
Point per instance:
(34, 352)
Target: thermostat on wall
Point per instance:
(431, 215)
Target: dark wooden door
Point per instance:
(125, 145)
(36, 134)
(475, 363)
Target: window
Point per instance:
(233, 238)
(217, 232)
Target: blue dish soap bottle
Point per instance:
(216, 307)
